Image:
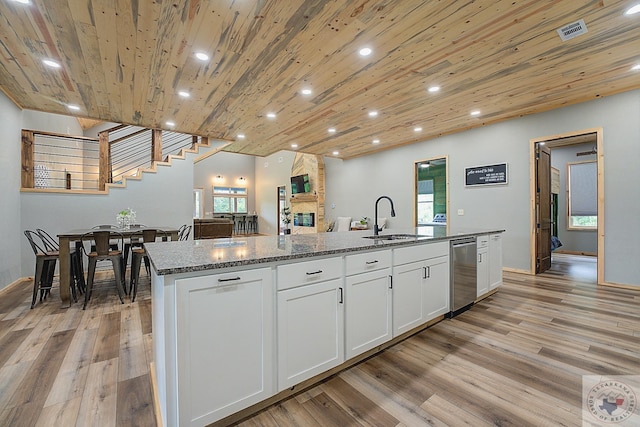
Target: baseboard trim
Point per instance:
(560, 251)
(619, 285)
(14, 284)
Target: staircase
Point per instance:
(62, 163)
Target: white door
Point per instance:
(368, 311)
(407, 296)
(310, 331)
(436, 292)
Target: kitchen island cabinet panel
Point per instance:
(310, 331)
(368, 311)
(225, 336)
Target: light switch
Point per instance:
(460, 212)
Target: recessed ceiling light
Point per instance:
(184, 94)
(51, 63)
(376, 141)
(434, 89)
(373, 113)
(22, 1)
(271, 115)
(294, 145)
(417, 129)
(475, 113)
(170, 124)
(541, 143)
(306, 91)
(335, 153)
(635, 67)
(365, 51)
(633, 10)
(331, 130)
(202, 56)
(240, 136)
(424, 165)
(73, 107)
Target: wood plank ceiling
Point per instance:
(125, 61)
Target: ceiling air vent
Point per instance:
(572, 30)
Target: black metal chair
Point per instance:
(102, 241)
(133, 242)
(138, 254)
(45, 266)
(183, 232)
(76, 270)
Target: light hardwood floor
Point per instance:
(515, 359)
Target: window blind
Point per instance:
(583, 189)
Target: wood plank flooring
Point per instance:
(515, 359)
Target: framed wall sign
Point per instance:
(485, 175)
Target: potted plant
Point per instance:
(364, 220)
(286, 219)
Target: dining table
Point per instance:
(67, 238)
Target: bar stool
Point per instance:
(104, 241)
(45, 267)
(242, 223)
(137, 254)
(252, 224)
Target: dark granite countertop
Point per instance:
(212, 254)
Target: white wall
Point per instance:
(354, 185)
(572, 240)
(10, 228)
(230, 166)
(271, 172)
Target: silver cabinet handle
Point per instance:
(314, 272)
(229, 279)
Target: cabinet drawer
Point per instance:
(420, 252)
(369, 261)
(483, 241)
(307, 272)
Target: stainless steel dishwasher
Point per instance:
(463, 274)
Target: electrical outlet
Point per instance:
(460, 212)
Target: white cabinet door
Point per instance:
(407, 296)
(483, 265)
(368, 311)
(495, 261)
(310, 331)
(436, 292)
(225, 339)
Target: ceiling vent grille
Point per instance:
(572, 30)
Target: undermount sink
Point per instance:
(393, 236)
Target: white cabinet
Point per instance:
(367, 301)
(225, 336)
(483, 265)
(420, 285)
(489, 263)
(495, 261)
(310, 319)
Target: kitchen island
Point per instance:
(243, 322)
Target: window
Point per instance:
(229, 200)
(582, 190)
(198, 203)
(425, 201)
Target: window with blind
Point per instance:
(582, 189)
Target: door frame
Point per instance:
(601, 195)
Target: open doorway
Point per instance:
(557, 210)
(431, 192)
(282, 202)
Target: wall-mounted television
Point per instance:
(300, 184)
